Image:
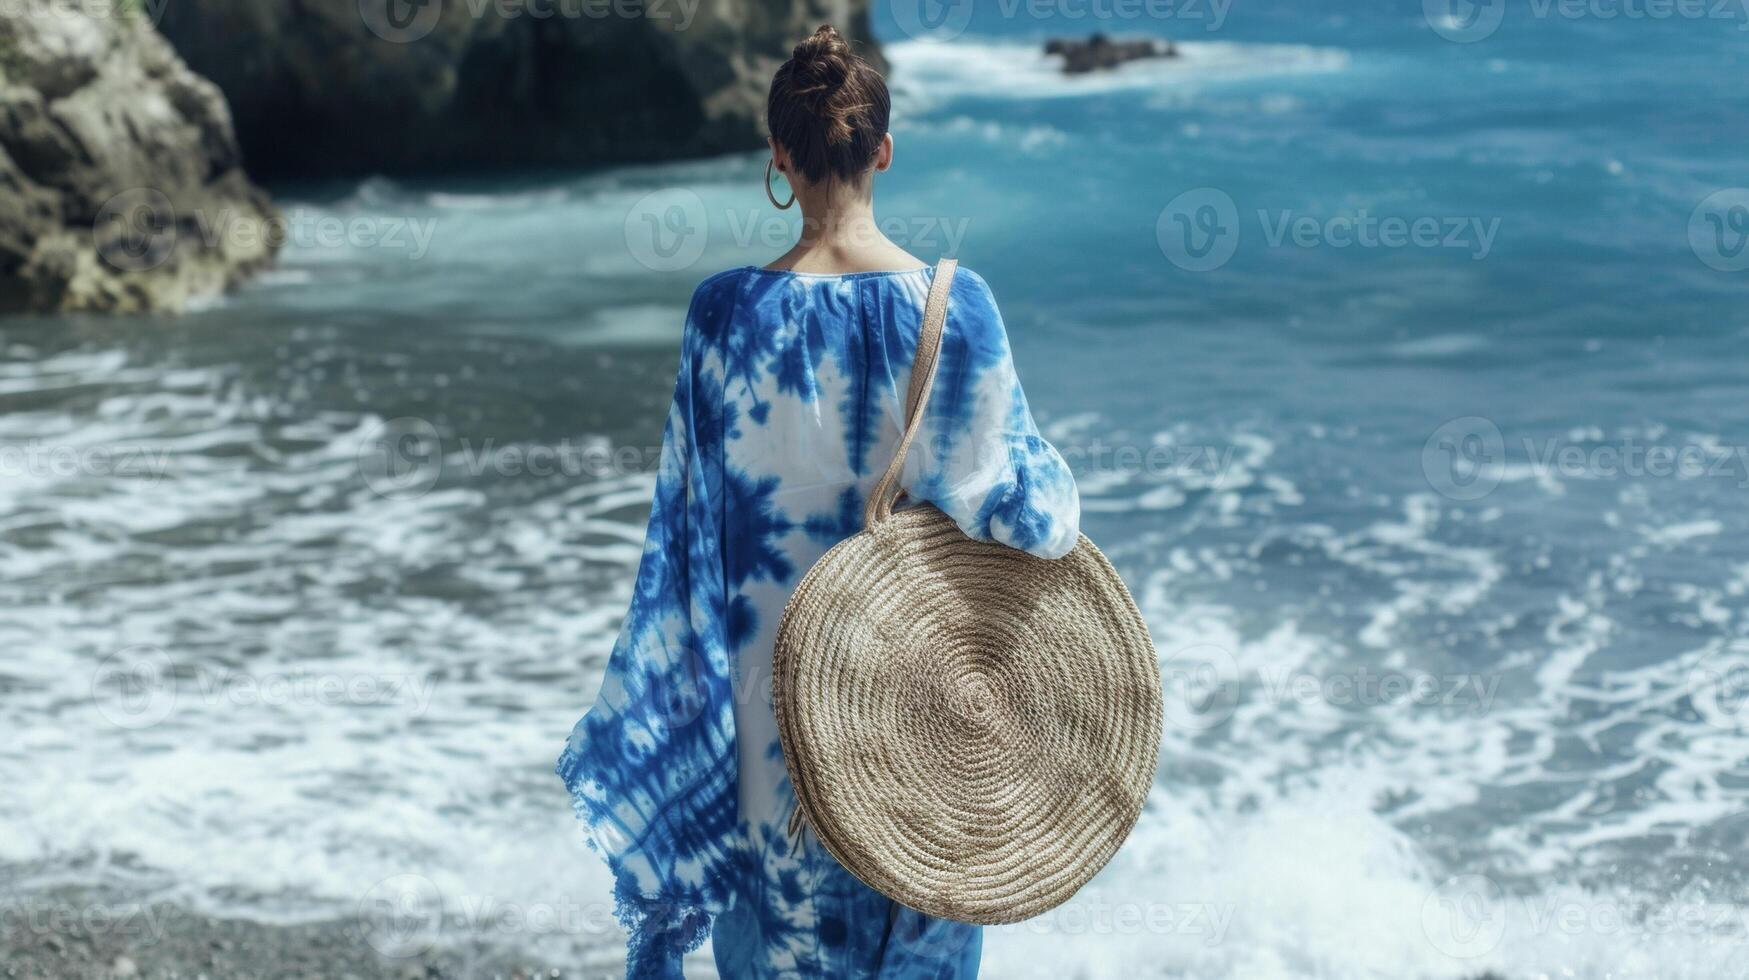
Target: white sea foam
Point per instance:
(646, 324)
(1027, 138)
(329, 740)
(1292, 835)
(1441, 345)
(1683, 531)
(1283, 866)
(928, 73)
(1314, 885)
(451, 201)
(1266, 851)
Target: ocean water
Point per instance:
(1397, 372)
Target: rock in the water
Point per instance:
(356, 87)
(1099, 52)
(121, 187)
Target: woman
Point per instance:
(787, 408)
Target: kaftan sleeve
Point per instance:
(652, 768)
(982, 460)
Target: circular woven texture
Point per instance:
(969, 729)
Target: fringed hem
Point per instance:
(659, 932)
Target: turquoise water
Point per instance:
(1440, 538)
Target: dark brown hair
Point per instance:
(828, 108)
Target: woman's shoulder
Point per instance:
(721, 291)
(975, 317)
(970, 287)
(713, 302)
(721, 287)
(970, 277)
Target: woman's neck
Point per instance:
(839, 226)
(837, 214)
(839, 233)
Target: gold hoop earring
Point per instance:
(773, 197)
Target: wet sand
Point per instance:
(72, 934)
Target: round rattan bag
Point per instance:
(969, 729)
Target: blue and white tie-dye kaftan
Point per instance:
(786, 410)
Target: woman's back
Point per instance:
(786, 412)
(787, 409)
(813, 370)
(806, 374)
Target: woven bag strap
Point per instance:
(886, 493)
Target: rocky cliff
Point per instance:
(121, 186)
(351, 87)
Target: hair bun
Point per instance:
(828, 107)
(825, 48)
(821, 67)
